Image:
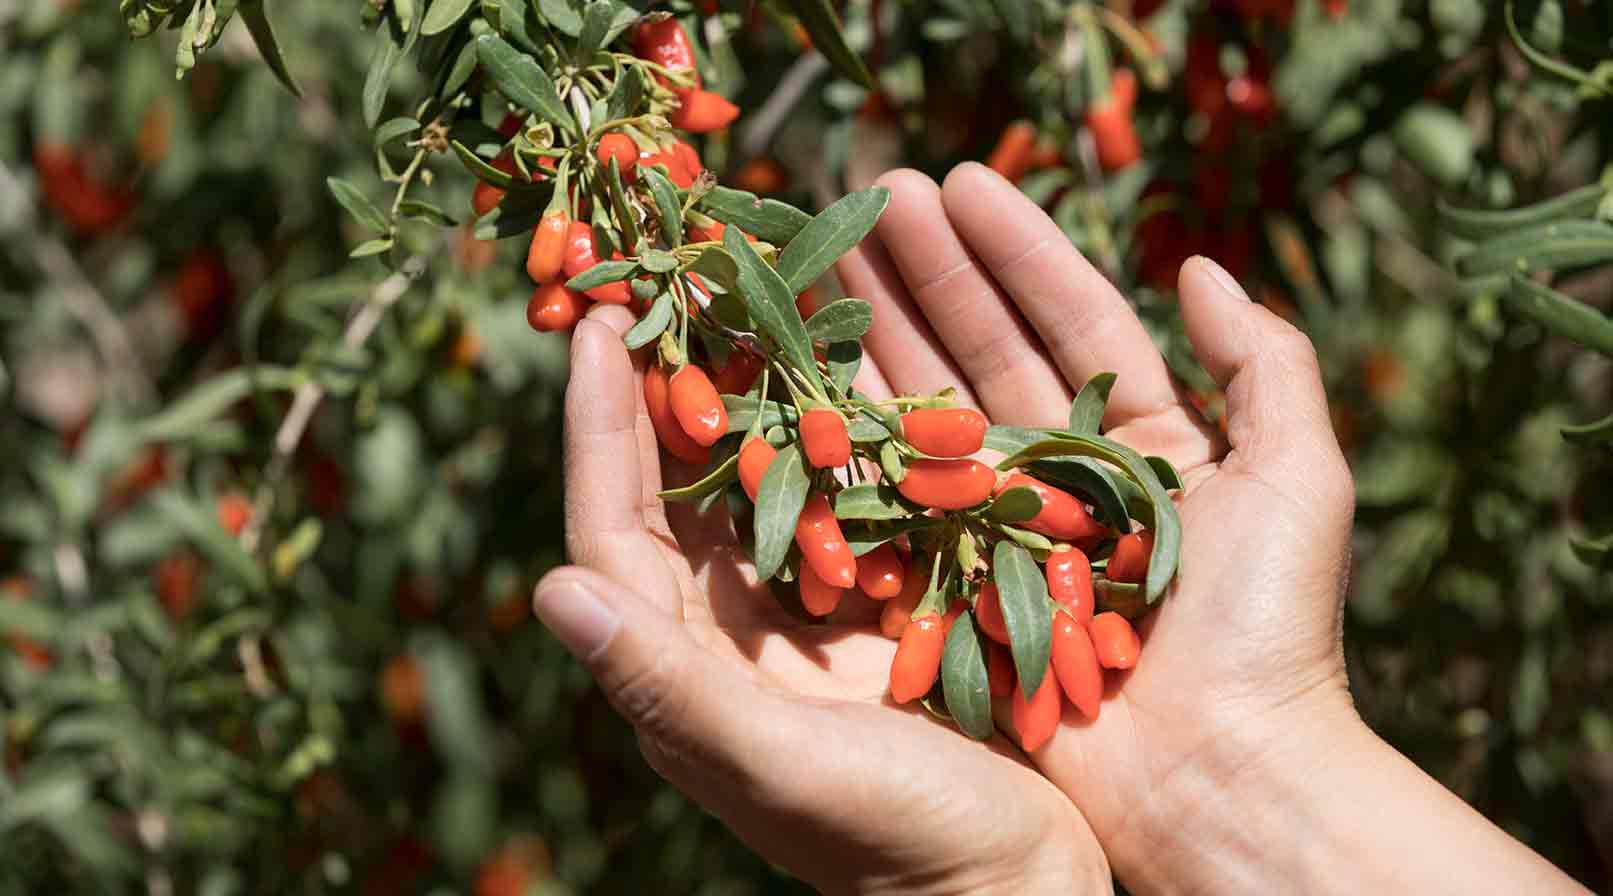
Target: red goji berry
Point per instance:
(1062, 516)
(485, 197)
(823, 547)
(676, 170)
(999, 670)
(945, 432)
(701, 111)
(697, 405)
(1013, 150)
(658, 400)
(403, 690)
(1036, 717)
(898, 611)
(712, 234)
(1069, 582)
(947, 484)
(234, 512)
(666, 44)
(1115, 641)
(762, 176)
(739, 373)
(621, 148)
(1110, 122)
(1129, 562)
(554, 307)
(580, 254)
(175, 583)
(686, 154)
(918, 658)
(823, 435)
(818, 597)
(755, 456)
(546, 256)
(880, 573)
(1075, 662)
(989, 613)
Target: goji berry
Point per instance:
(403, 690)
(658, 400)
(1075, 663)
(547, 255)
(37, 656)
(945, 432)
(818, 597)
(1110, 121)
(947, 484)
(1129, 562)
(762, 176)
(686, 154)
(918, 658)
(999, 670)
(1013, 149)
(621, 148)
(1062, 515)
(580, 254)
(755, 456)
(701, 111)
(697, 405)
(234, 512)
(711, 234)
(554, 307)
(880, 573)
(666, 44)
(486, 197)
(989, 613)
(1115, 641)
(1036, 717)
(898, 611)
(823, 547)
(676, 170)
(824, 437)
(1069, 582)
(175, 582)
(739, 373)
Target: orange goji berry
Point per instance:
(1012, 151)
(818, 597)
(1075, 662)
(554, 307)
(823, 546)
(898, 611)
(880, 573)
(701, 111)
(1069, 582)
(547, 255)
(945, 432)
(755, 456)
(1036, 717)
(999, 670)
(989, 613)
(1115, 641)
(658, 400)
(824, 437)
(918, 658)
(234, 512)
(1062, 516)
(697, 405)
(947, 484)
(1129, 562)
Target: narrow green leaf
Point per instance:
(1167, 474)
(1086, 412)
(1090, 480)
(596, 21)
(1026, 610)
(779, 500)
(843, 359)
(767, 219)
(890, 463)
(1558, 244)
(517, 215)
(626, 95)
(203, 529)
(1478, 224)
(443, 15)
(715, 481)
(393, 128)
(843, 320)
(480, 168)
(1594, 433)
(1016, 505)
(357, 205)
(829, 235)
(199, 408)
(871, 501)
(650, 327)
(865, 538)
(370, 248)
(658, 261)
(378, 78)
(964, 679)
(421, 210)
(257, 24)
(770, 302)
(601, 274)
(828, 38)
(742, 412)
(520, 78)
(863, 429)
(562, 16)
(668, 209)
(1566, 317)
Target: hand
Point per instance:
(780, 729)
(1231, 757)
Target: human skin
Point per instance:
(1231, 759)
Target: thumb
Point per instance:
(700, 720)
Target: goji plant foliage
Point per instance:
(280, 457)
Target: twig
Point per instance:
(308, 396)
(80, 297)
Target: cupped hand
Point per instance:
(976, 289)
(781, 729)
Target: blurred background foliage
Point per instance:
(350, 694)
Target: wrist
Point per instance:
(1055, 863)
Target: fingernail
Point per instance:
(1222, 278)
(577, 617)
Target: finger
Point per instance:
(620, 320)
(1003, 360)
(900, 340)
(870, 380)
(605, 526)
(701, 721)
(1277, 418)
(1087, 324)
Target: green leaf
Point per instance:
(964, 679)
(389, 48)
(257, 24)
(561, 16)
(1013, 439)
(1592, 551)
(1019, 16)
(667, 207)
(823, 26)
(420, 210)
(742, 412)
(843, 320)
(1595, 433)
(517, 215)
(1090, 480)
(480, 168)
(601, 274)
(650, 327)
(352, 199)
(443, 15)
(204, 531)
(715, 481)
(767, 219)
(1560, 314)
(626, 96)
(455, 715)
(199, 408)
(1015, 505)
(1477, 224)
(1559, 244)
(770, 302)
(863, 429)
(520, 78)
(1167, 525)
(369, 248)
(870, 501)
(1026, 611)
(1167, 474)
(843, 359)
(865, 538)
(779, 500)
(658, 261)
(1086, 412)
(393, 128)
(596, 21)
(830, 235)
